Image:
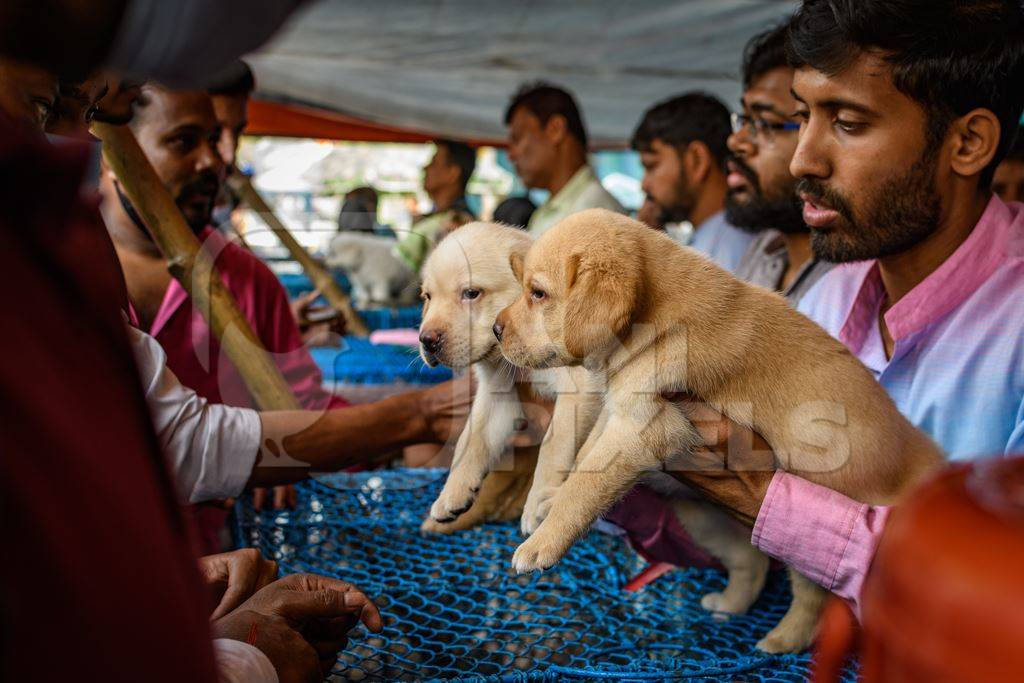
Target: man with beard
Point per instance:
(906, 109)
(547, 144)
(445, 179)
(682, 145)
(762, 194)
(178, 131)
(903, 107)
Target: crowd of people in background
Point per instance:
(871, 176)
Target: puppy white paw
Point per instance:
(456, 497)
(539, 552)
(432, 526)
(784, 638)
(719, 606)
(536, 509)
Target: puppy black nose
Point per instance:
(498, 329)
(431, 341)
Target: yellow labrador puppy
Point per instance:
(651, 317)
(467, 281)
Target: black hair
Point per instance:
(358, 210)
(764, 52)
(545, 100)
(951, 56)
(462, 155)
(515, 211)
(236, 80)
(695, 116)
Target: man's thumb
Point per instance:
(329, 604)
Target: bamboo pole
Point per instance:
(193, 267)
(316, 272)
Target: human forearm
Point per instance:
(824, 535)
(337, 439)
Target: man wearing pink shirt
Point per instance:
(179, 132)
(905, 106)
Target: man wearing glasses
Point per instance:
(762, 197)
(682, 145)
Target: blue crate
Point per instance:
(392, 318)
(453, 610)
(360, 362)
(297, 284)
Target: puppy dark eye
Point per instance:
(537, 294)
(470, 294)
(425, 296)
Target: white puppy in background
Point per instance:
(467, 280)
(378, 277)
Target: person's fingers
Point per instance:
(320, 597)
(712, 425)
(259, 497)
(327, 649)
(306, 299)
(242, 577)
(267, 574)
(280, 497)
(293, 497)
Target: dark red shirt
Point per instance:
(98, 581)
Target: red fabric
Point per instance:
(194, 354)
(654, 530)
(98, 578)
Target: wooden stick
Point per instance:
(323, 280)
(192, 266)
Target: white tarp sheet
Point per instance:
(448, 67)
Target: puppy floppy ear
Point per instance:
(602, 296)
(515, 262)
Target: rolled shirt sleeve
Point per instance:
(239, 662)
(824, 535)
(211, 448)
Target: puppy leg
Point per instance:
(729, 541)
(501, 496)
(573, 421)
(492, 419)
(380, 292)
(633, 442)
(796, 630)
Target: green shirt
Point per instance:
(414, 247)
(583, 191)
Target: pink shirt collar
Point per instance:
(952, 282)
(176, 296)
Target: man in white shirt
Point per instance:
(682, 146)
(547, 144)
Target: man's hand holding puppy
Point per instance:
(735, 466)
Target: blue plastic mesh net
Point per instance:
(454, 611)
(360, 362)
